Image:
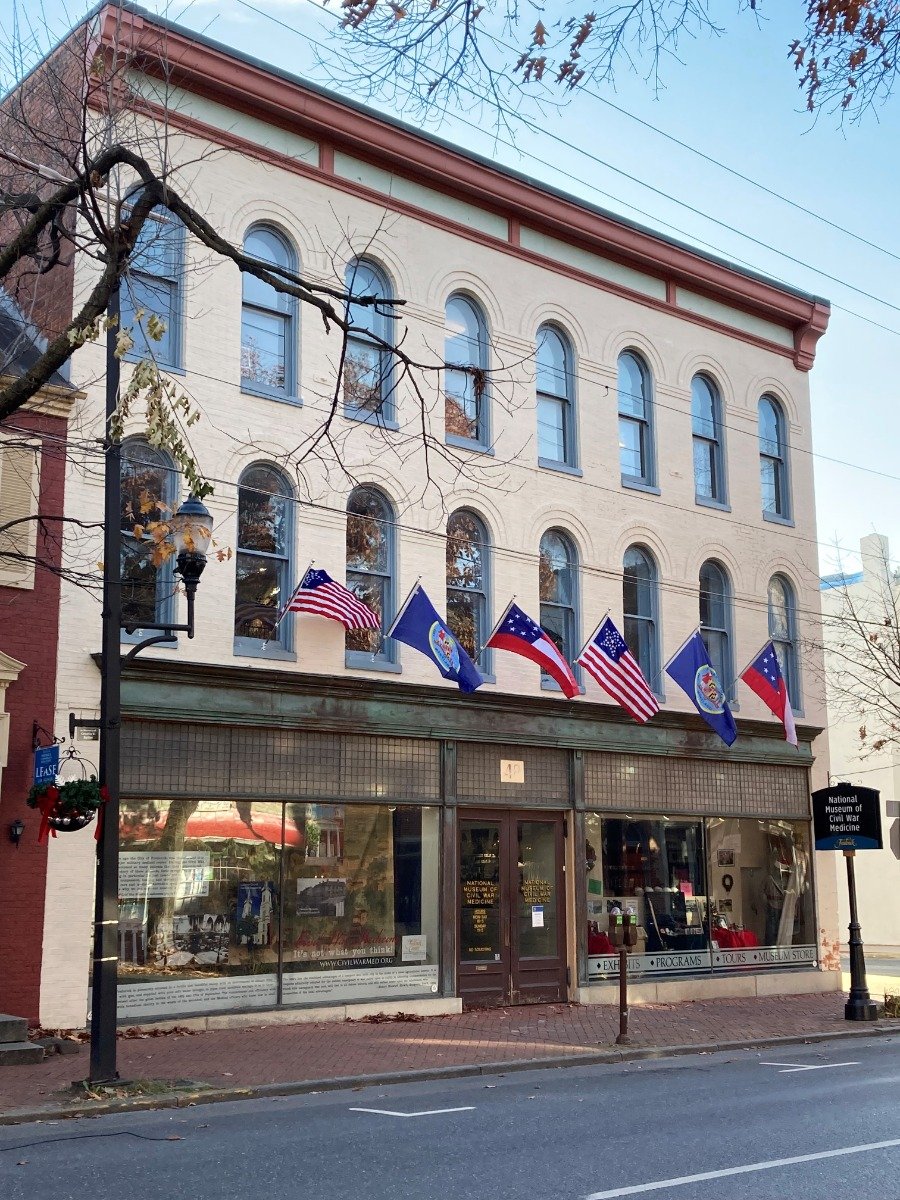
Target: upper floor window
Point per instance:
(640, 597)
(783, 632)
(465, 379)
(153, 285)
(555, 406)
(715, 620)
(148, 497)
(370, 569)
(268, 336)
(263, 559)
(468, 608)
(636, 456)
(558, 582)
(367, 364)
(706, 423)
(773, 459)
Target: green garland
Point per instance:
(73, 796)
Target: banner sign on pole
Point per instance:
(846, 817)
(46, 764)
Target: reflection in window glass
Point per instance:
(148, 497)
(761, 889)
(772, 459)
(639, 598)
(715, 620)
(467, 602)
(783, 632)
(370, 566)
(554, 397)
(267, 319)
(263, 558)
(153, 284)
(635, 444)
(654, 867)
(465, 353)
(367, 365)
(557, 567)
(709, 483)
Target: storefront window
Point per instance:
(760, 893)
(652, 867)
(231, 904)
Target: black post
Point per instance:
(106, 891)
(860, 1006)
(623, 1039)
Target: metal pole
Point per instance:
(106, 891)
(860, 1006)
(623, 1039)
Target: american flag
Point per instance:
(607, 658)
(319, 594)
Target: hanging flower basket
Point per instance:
(67, 806)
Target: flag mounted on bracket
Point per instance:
(764, 677)
(697, 677)
(418, 625)
(517, 633)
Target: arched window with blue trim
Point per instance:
(773, 464)
(555, 398)
(263, 569)
(371, 556)
(268, 320)
(715, 620)
(640, 600)
(368, 382)
(465, 379)
(468, 579)
(149, 497)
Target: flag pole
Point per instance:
(293, 594)
(502, 618)
(403, 607)
(762, 649)
(672, 657)
(593, 635)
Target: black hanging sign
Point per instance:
(846, 817)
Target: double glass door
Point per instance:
(511, 933)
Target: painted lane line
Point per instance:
(640, 1188)
(430, 1112)
(822, 1067)
(762, 1064)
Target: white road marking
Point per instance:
(430, 1112)
(790, 1068)
(639, 1189)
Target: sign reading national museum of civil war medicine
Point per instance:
(847, 818)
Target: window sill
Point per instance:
(638, 485)
(132, 639)
(706, 502)
(169, 368)
(487, 676)
(358, 660)
(550, 685)
(278, 397)
(775, 519)
(550, 464)
(369, 418)
(251, 648)
(451, 439)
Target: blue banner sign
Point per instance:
(846, 817)
(46, 764)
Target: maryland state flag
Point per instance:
(418, 625)
(695, 675)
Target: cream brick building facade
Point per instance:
(336, 181)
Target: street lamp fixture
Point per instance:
(16, 829)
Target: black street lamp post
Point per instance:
(190, 529)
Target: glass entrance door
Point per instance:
(511, 932)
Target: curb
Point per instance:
(187, 1099)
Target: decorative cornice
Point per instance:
(51, 401)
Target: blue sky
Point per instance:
(736, 99)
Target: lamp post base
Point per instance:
(859, 1008)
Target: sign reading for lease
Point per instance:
(847, 818)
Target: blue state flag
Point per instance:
(418, 625)
(695, 675)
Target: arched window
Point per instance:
(706, 423)
(640, 596)
(715, 620)
(468, 606)
(263, 560)
(153, 283)
(370, 571)
(367, 365)
(465, 387)
(773, 460)
(783, 632)
(558, 573)
(636, 452)
(268, 337)
(149, 487)
(555, 398)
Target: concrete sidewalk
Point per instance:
(291, 1056)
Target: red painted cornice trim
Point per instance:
(246, 87)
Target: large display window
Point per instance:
(231, 904)
(711, 894)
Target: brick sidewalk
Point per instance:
(292, 1053)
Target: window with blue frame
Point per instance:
(149, 487)
(263, 567)
(268, 320)
(153, 286)
(368, 374)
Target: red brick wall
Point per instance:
(29, 624)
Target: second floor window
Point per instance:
(467, 584)
(706, 424)
(556, 431)
(370, 570)
(267, 321)
(783, 632)
(640, 598)
(148, 496)
(773, 459)
(715, 620)
(465, 380)
(367, 365)
(153, 285)
(558, 567)
(263, 560)
(635, 427)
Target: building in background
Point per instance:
(313, 819)
(873, 594)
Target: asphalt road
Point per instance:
(637, 1129)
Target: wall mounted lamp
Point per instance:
(16, 829)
